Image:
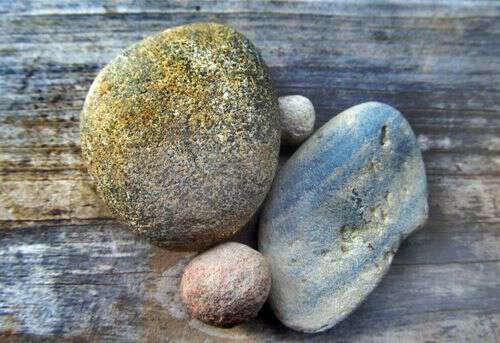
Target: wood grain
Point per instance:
(69, 271)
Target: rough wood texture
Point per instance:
(68, 271)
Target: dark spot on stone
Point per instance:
(345, 232)
(321, 252)
(387, 254)
(197, 8)
(356, 198)
(380, 36)
(383, 135)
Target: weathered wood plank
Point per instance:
(69, 271)
(410, 8)
(454, 199)
(119, 286)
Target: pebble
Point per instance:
(338, 211)
(226, 285)
(297, 119)
(181, 135)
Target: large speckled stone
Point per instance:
(181, 135)
(226, 285)
(338, 211)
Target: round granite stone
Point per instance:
(297, 119)
(181, 135)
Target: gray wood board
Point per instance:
(69, 271)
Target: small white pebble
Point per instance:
(297, 119)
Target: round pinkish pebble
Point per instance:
(226, 285)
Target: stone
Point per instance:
(181, 135)
(338, 211)
(226, 285)
(297, 119)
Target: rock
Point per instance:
(297, 119)
(337, 212)
(226, 285)
(181, 135)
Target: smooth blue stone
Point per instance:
(338, 211)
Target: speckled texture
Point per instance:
(226, 285)
(337, 213)
(181, 135)
(297, 119)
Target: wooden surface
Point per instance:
(69, 271)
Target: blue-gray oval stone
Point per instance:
(337, 212)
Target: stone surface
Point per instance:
(226, 285)
(181, 135)
(337, 213)
(297, 119)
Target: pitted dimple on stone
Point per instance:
(383, 135)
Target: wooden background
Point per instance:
(70, 272)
